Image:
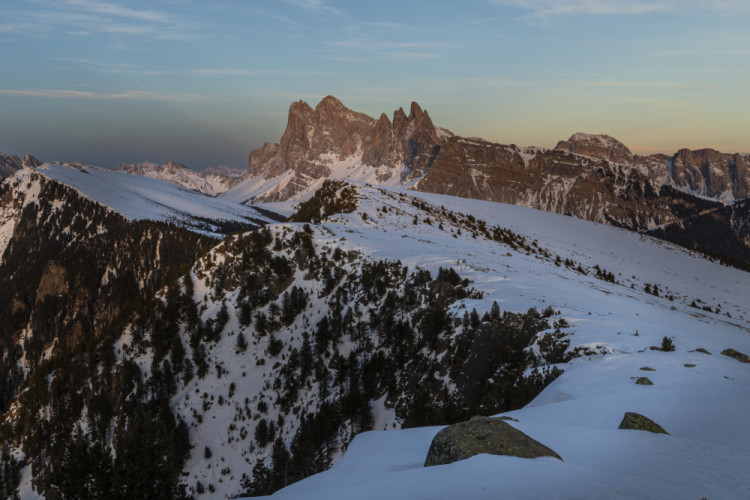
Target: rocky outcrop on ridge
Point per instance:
(483, 435)
(11, 163)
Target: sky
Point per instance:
(204, 83)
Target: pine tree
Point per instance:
(474, 318)
(279, 462)
(246, 314)
(667, 345)
(240, 344)
(495, 311)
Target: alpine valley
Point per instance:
(309, 325)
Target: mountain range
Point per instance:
(695, 198)
(170, 334)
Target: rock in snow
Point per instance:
(482, 435)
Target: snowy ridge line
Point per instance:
(137, 197)
(578, 414)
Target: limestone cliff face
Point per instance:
(316, 141)
(708, 172)
(555, 181)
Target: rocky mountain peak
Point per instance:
(598, 146)
(330, 104)
(415, 111)
(317, 140)
(399, 119)
(30, 162)
(11, 163)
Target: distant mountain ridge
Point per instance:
(593, 177)
(315, 140)
(213, 181)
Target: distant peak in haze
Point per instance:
(598, 146)
(213, 181)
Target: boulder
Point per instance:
(739, 356)
(483, 435)
(638, 422)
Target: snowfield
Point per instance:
(700, 399)
(137, 197)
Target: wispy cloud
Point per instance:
(627, 83)
(83, 17)
(549, 8)
(388, 40)
(412, 56)
(315, 7)
(115, 68)
(113, 10)
(102, 96)
(218, 72)
(239, 72)
(369, 43)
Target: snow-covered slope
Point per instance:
(596, 276)
(213, 181)
(350, 169)
(700, 399)
(138, 197)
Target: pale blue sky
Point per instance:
(204, 82)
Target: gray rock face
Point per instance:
(483, 435)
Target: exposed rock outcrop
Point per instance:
(483, 435)
(11, 163)
(636, 421)
(739, 356)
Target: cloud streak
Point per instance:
(109, 9)
(111, 96)
(84, 17)
(315, 7)
(550, 8)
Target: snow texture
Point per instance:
(137, 197)
(704, 407)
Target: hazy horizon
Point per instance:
(204, 84)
